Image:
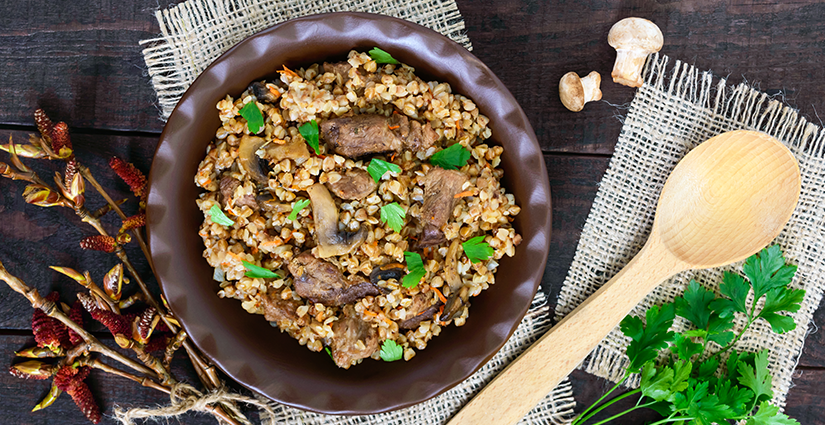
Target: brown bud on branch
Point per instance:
(99, 243)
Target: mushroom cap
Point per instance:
(571, 92)
(636, 33)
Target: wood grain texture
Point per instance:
(81, 61)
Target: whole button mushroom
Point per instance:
(575, 92)
(633, 39)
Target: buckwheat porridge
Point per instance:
(355, 206)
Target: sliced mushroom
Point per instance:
(262, 92)
(387, 272)
(459, 293)
(249, 160)
(440, 188)
(331, 240)
(421, 309)
(321, 282)
(270, 203)
(295, 149)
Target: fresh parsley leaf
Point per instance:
(416, 267)
(707, 369)
(455, 156)
(253, 116)
(377, 168)
(329, 352)
(693, 305)
(380, 56)
(718, 329)
(297, 208)
(254, 271)
(663, 384)
(390, 351)
(767, 270)
(737, 398)
(768, 414)
(648, 340)
(758, 379)
(394, 215)
(704, 408)
(477, 250)
(778, 300)
(685, 348)
(309, 131)
(736, 290)
(217, 216)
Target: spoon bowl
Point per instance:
(727, 199)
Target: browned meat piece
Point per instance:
(227, 191)
(421, 136)
(359, 135)
(440, 188)
(321, 282)
(354, 184)
(339, 69)
(421, 309)
(349, 331)
(276, 309)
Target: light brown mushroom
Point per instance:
(459, 293)
(633, 39)
(249, 160)
(575, 92)
(331, 240)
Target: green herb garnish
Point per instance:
(253, 116)
(219, 217)
(254, 271)
(394, 215)
(329, 352)
(477, 250)
(380, 56)
(416, 267)
(390, 351)
(377, 168)
(309, 131)
(455, 156)
(297, 208)
(687, 385)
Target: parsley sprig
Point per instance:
(254, 271)
(477, 250)
(455, 156)
(393, 214)
(416, 267)
(297, 208)
(218, 216)
(378, 167)
(391, 351)
(687, 385)
(309, 131)
(380, 56)
(253, 116)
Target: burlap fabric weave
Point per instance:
(194, 33)
(676, 109)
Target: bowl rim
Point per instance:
(540, 196)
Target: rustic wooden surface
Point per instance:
(81, 62)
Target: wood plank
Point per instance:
(17, 396)
(82, 62)
(35, 238)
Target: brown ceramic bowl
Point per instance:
(244, 345)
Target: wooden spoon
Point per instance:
(727, 199)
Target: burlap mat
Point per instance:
(677, 108)
(196, 32)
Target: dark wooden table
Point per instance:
(81, 62)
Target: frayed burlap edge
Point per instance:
(677, 108)
(556, 408)
(195, 32)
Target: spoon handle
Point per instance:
(526, 381)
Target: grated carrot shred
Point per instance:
(393, 127)
(440, 297)
(370, 313)
(288, 238)
(463, 194)
(289, 72)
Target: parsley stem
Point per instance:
(610, 402)
(626, 412)
(596, 403)
(735, 340)
(677, 419)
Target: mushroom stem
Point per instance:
(627, 70)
